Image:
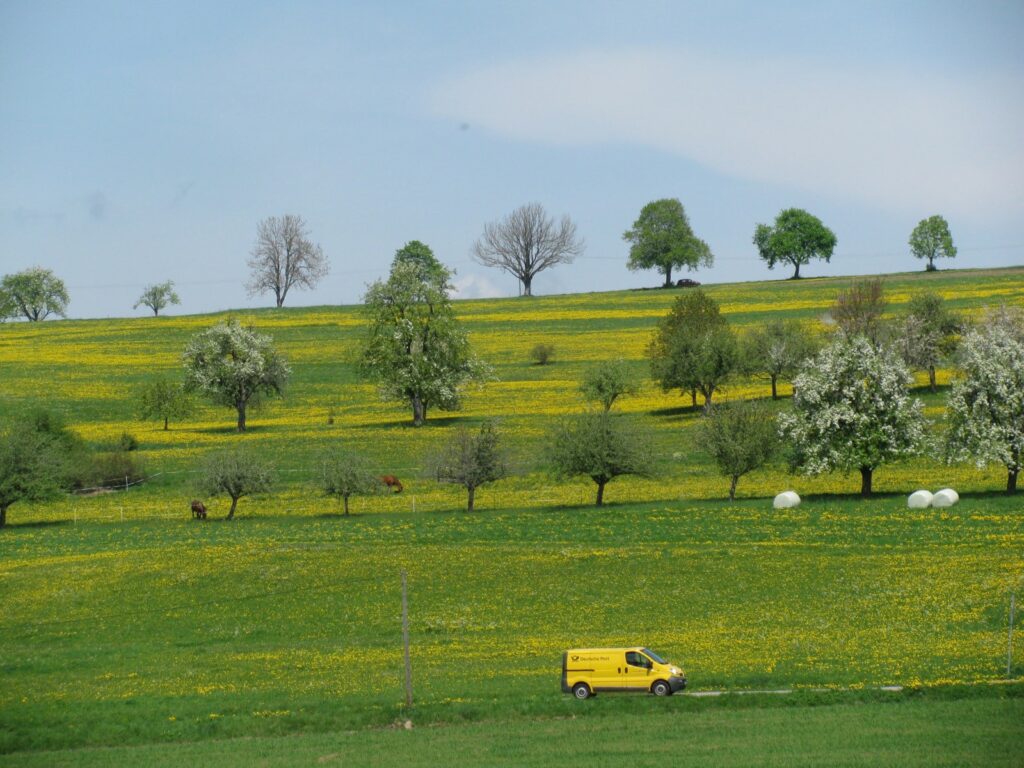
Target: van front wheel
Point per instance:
(581, 691)
(661, 688)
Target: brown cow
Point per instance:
(392, 482)
(198, 510)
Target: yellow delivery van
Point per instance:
(586, 671)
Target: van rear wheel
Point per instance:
(661, 688)
(581, 691)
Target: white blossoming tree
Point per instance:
(852, 410)
(416, 349)
(233, 365)
(986, 406)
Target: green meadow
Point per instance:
(131, 634)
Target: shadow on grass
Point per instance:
(432, 421)
(38, 524)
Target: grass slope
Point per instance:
(159, 630)
(917, 733)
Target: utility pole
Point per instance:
(1009, 640)
(405, 642)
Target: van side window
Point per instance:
(635, 659)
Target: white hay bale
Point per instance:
(947, 497)
(786, 500)
(919, 500)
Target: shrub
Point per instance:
(542, 354)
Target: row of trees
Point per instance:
(524, 243)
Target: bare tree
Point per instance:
(284, 257)
(526, 242)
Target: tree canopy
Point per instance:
(741, 437)
(852, 410)
(346, 474)
(284, 258)
(158, 296)
(795, 238)
(776, 350)
(231, 365)
(235, 473)
(32, 465)
(986, 404)
(932, 240)
(661, 238)
(415, 348)
(693, 348)
(34, 294)
(601, 446)
(471, 459)
(527, 242)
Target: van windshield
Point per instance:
(654, 656)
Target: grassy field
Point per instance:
(89, 370)
(123, 623)
(983, 732)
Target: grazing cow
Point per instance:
(198, 510)
(392, 482)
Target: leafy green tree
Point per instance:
(607, 381)
(232, 365)
(158, 296)
(858, 310)
(471, 460)
(347, 474)
(694, 349)
(31, 466)
(34, 293)
(601, 446)
(164, 400)
(929, 333)
(741, 437)
(796, 238)
(931, 240)
(852, 410)
(661, 238)
(236, 473)
(777, 350)
(986, 405)
(415, 349)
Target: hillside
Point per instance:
(125, 623)
(89, 370)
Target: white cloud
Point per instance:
(909, 142)
(475, 287)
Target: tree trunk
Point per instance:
(527, 281)
(707, 399)
(775, 391)
(156, 312)
(472, 493)
(796, 275)
(668, 276)
(693, 397)
(732, 487)
(865, 481)
(931, 376)
(345, 498)
(419, 411)
(234, 503)
(241, 416)
(600, 492)
(3, 516)
(165, 423)
(1011, 484)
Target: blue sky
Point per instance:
(143, 141)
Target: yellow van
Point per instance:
(585, 671)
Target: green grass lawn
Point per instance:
(123, 623)
(968, 732)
